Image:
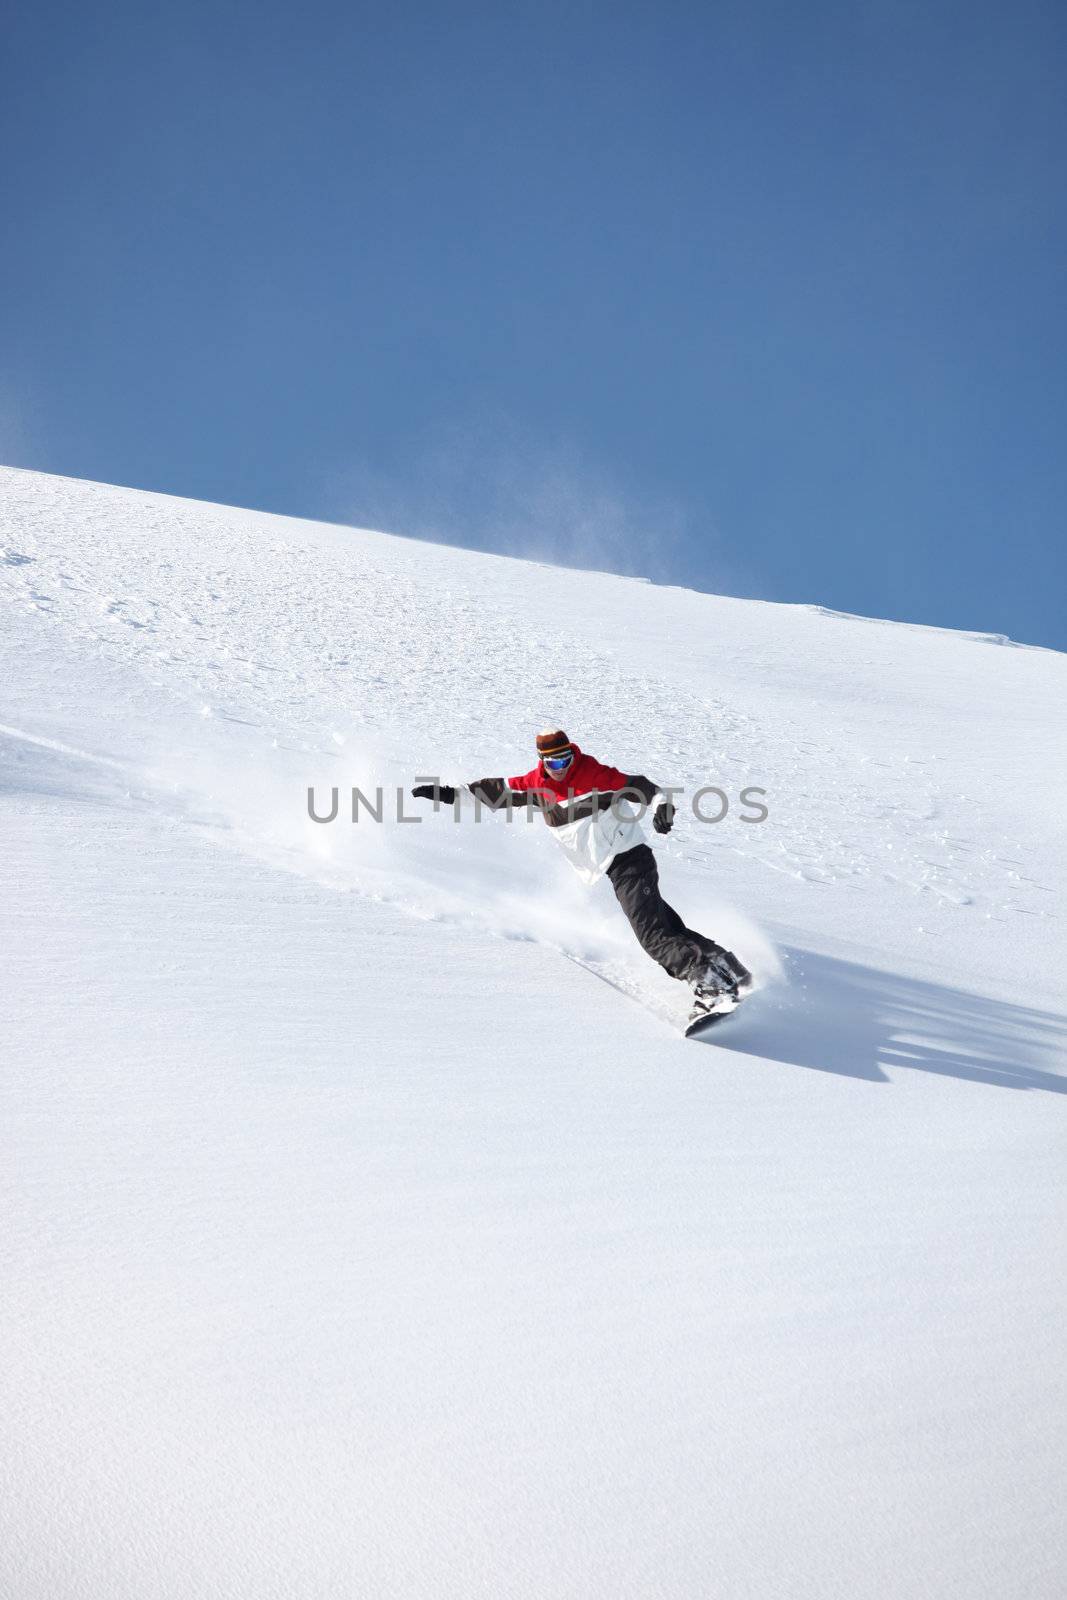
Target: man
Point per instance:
(586, 806)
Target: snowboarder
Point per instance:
(588, 807)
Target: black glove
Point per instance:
(435, 791)
(663, 821)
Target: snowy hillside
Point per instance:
(358, 1239)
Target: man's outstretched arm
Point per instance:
(493, 792)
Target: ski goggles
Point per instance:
(558, 763)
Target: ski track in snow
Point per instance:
(360, 1242)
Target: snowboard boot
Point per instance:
(723, 968)
(713, 991)
(739, 973)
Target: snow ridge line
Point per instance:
(60, 748)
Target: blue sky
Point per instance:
(758, 298)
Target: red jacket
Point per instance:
(592, 828)
(584, 774)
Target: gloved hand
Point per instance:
(663, 821)
(431, 791)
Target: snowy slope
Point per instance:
(358, 1240)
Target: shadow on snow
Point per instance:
(838, 1016)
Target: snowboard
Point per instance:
(711, 1019)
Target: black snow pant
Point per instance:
(662, 933)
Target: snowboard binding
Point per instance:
(718, 989)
